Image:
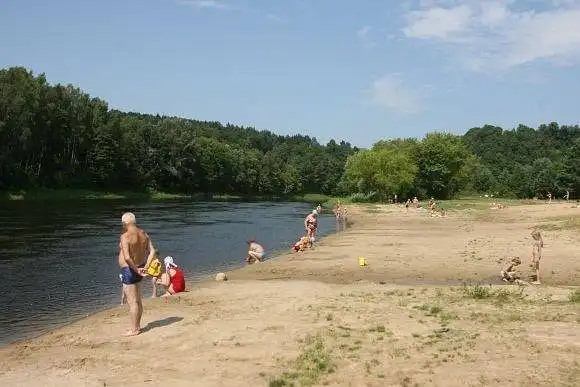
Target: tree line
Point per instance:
(56, 136)
(523, 163)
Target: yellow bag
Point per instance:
(154, 269)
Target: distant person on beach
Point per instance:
(407, 204)
(311, 223)
(337, 210)
(135, 251)
(173, 279)
(319, 209)
(255, 252)
(416, 202)
(537, 246)
(509, 273)
(431, 206)
(302, 244)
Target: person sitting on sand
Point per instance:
(509, 273)
(173, 279)
(255, 252)
(311, 223)
(302, 244)
(537, 246)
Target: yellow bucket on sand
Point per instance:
(362, 261)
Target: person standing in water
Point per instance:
(136, 252)
(311, 223)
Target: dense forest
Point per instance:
(56, 136)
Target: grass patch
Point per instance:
(432, 310)
(574, 296)
(558, 223)
(82, 194)
(478, 292)
(312, 364)
(378, 328)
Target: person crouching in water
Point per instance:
(255, 252)
(173, 279)
(509, 273)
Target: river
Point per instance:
(59, 259)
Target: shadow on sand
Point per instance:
(161, 323)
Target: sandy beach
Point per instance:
(318, 318)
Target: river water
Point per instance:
(59, 259)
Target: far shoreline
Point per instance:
(86, 194)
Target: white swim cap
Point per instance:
(169, 262)
(314, 212)
(128, 218)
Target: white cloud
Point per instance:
(361, 33)
(390, 92)
(437, 22)
(500, 34)
(221, 5)
(215, 4)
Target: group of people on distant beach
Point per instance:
(138, 258)
(256, 251)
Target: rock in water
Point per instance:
(221, 277)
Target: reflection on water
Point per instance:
(59, 260)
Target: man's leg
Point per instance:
(135, 308)
(537, 281)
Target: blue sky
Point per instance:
(354, 70)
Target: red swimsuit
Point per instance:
(178, 281)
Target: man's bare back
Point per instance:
(137, 242)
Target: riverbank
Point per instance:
(80, 194)
(319, 318)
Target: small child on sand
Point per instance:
(509, 273)
(302, 244)
(537, 246)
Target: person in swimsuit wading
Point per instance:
(311, 223)
(134, 246)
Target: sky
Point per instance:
(358, 71)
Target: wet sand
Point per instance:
(318, 318)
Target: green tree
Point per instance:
(444, 164)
